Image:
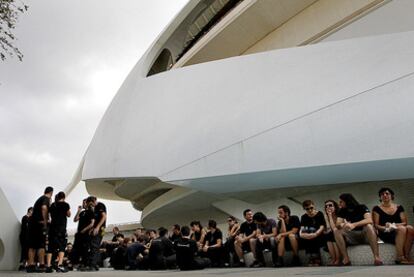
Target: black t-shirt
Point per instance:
(384, 217)
(354, 215)
(37, 215)
(268, 227)
(312, 224)
(175, 237)
(186, 250)
(293, 223)
(24, 229)
(212, 238)
(58, 213)
(99, 209)
(85, 218)
(247, 228)
(197, 236)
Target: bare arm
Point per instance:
(45, 215)
(76, 218)
(100, 223)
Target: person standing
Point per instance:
(24, 238)
(97, 232)
(38, 231)
(59, 212)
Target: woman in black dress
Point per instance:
(391, 222)
(331, 208)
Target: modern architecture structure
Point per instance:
(9, 235)
(254, 103)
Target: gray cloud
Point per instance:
(76, 55)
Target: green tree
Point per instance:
(9, 14)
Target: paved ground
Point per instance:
(355, 271)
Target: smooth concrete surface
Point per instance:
(9, 235)
(382, 271)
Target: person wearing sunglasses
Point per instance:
(311, 232)
(355, 226)
(331, 209)
(391, 221)
(232, 231)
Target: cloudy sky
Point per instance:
(76, 55)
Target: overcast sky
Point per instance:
(76, 55)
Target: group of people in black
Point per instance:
(43, 235)
(342, 223)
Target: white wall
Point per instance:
(9, 236)
(325, 104)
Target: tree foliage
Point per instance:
(9, 14)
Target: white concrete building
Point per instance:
(255, 103)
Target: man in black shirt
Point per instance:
(246, 240)
(24, 238)
(311, 232)
(287, 227)
(175, 232)
(186, 250)
(59, 212)
(38, 231)
(79, 240)
(97, 232)
(266, 233)
(161, 252)
(214, 244)
(355, 226)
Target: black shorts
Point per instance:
(246, 246)
(37, 235)
(57, 242)
(329, 237)
(388, 237)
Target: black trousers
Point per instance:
(95, 256)
(312, 246)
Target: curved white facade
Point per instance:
(204, 136)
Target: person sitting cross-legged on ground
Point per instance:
(246, 239)
(161, 252)
(331, 209)
(214, 244)
(355, 226)
(311, 232)
(186, 251)
(391, 222)
(266, 233)
(287, 235)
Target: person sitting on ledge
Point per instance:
(214, 244)
(355, 226)
(266, 233)
(246, 239)
(391, 222)
(311, 232)
(287, 227)
(331, 210)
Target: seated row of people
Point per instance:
(341, 224)
(346, 223)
